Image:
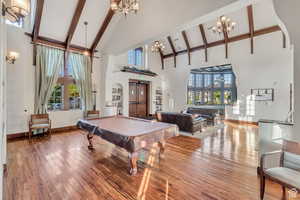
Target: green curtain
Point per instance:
(49, 63)
(81, 72)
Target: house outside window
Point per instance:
(212, 86)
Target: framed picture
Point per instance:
(263, 94)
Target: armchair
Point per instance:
(39, 121)
(287, 174)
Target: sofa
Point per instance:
(186, 122)
(209, 113)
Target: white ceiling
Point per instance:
(261, 20)
(156, 18)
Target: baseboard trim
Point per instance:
(53, 130)
(241, 122)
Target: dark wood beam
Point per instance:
(283, 40)
(257, 33)
(187, 45)
(37, 20)
(56, 44)
(162, 59)
(74, 23)
(204, 40)
(251, 26)
(225, 33)
(103, 28)
(173, 49)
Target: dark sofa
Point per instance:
(185, 122)
(208, 113)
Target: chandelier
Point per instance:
(16, 10)
(223, 24)
(125, 6)
(157, 46)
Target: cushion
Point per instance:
(40, 126)
(40, 121)
(292, 161)
(285, 175)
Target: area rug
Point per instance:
(207, 131)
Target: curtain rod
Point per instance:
(60, 48)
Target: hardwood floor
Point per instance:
(222, 166)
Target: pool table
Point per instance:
(131, 134)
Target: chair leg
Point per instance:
(262, 186)
(29, 134)
(283, 193)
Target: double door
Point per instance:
(138, 99)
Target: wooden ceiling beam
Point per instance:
(37, 20)
(162, 59)
(56, 44)
(283, 40)
(232, 39)
(202, 31)
(187, 45)
(103, 28)
(74, 23)
(251, 26)
(173, 49)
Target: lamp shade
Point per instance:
(20, 8)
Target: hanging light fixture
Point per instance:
(86, 52)
(223, 24)
(16, 10)
(125, 6)
(157, 46)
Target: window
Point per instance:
(207, 80)
(65, 95)
(198, 80)
(135, 57)
(213, 85)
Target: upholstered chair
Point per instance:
(287, 174)
(39, 121)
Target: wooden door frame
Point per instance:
(147, 83)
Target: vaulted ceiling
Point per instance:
(62, 22)
(261, 21)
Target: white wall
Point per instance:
(2, 99)
(287, 12)
(20, 90)
(269, 67)
(114, 76)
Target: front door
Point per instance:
(138, 99)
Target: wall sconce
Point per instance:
(12, 57)
(16, 10)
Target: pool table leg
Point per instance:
(90, 139)
(133, 158)
(161, 146)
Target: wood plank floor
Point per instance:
(222, 166)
